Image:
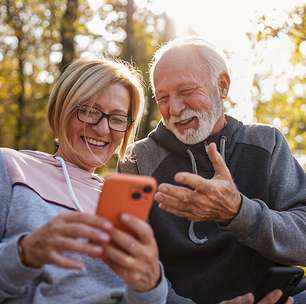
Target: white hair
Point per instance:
(214, 59)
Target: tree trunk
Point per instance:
(128, 52)
(21, 101)
(67, 32)
(16, 23)
(168, 34)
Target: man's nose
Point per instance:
(176, 106)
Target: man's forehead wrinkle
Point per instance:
(181, 67)
(179, 81)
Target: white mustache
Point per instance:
(187, 114)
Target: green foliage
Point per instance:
(30, 54)
(290, 117)
(287, 110)
(38, 38)
(143, 31)
(136, 32)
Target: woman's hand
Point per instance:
(134, 256)
(270, 298)
(70, 231)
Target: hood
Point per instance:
(42, 173)
(197, 154)
(168, 140)
(38, 158)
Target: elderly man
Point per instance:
(231, 200)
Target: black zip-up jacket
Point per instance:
(208, 262)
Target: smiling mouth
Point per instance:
(185, 121)
(94, 142)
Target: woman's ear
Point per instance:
(223, 84)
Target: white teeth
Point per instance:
(95, 142)
(185, 120)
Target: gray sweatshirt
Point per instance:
(222, 262)
(22, 210)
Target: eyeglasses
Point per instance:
(93, 116)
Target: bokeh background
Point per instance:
(264, 42)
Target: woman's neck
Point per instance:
(74, 161)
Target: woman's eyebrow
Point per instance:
(119, 111)
(112, 111)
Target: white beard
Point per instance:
(207, 121)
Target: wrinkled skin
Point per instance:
(215, 199)
(133, 257)
(270, 298)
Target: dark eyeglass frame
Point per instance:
(107, 116)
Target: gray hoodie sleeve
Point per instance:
(277, 229)
(16, 279)
(14, 276)
(158, 295)
(174, 298)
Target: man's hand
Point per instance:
(215, 199)
(270, 298)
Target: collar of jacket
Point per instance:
(168, 140)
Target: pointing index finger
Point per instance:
(194, 181)
(217, 161)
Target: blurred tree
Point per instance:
(17, 23)
(36, 39)
(39, 38)
(68, 31)
(138, 31)
(286, 108)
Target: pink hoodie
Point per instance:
(43, 174)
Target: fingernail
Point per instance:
(163, 188)
(103, 237)
(158, 197)
(98, 249)
(107, 225)
(179, 178)
(125, 217)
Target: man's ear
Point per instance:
(223, 84)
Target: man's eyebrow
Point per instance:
(160, 92)
(187, 84)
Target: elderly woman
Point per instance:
(51, 239)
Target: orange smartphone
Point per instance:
(126, 193)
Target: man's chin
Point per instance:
(190, 136)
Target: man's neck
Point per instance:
(219, 125)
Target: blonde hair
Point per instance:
(214, 58)
(81, 81)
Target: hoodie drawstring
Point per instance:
(69, 184)
(191, 232)
(222, 146)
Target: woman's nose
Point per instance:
(102, 127)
